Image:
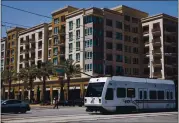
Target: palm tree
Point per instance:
(43, 74)
(28, 76)
(7, 76)
(70, 69)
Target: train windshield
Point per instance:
(95, 89)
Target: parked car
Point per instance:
(16, 106)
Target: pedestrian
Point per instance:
(56, 103)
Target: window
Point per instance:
(49, 53)
(118, 36)
(78, 23)
(77, 46)
(125, 59)
(70, 47)
(88, 31)
(135, 61)
(135, 29)
(127, 38)
(160, 95)
(119, 58)
(49, 43)
(119, 70)
(71, 36)
(12, 60)
(109, 34)
(88, 67)
(171, 95)
(70, 57)
(135, 71)
(55, 61)
(121, 92)
(135, 20)
(40, 44)
(109, 57)
(119, 47)
(55, 51)
(88, 43)
(13, 43)
(125, 48)
(13, 36)
(135, 50)
(63, 18)
(108, 22)
(127, 18)
(130, 92)
(109, 45)
(88, 55)
(145, 94)
(109, 94)
(118, 25)
(127, 28)
(153, 94)
(55, 41)
(135, 40)
(78, 34)
(129, 49)
(70, 25)
(56, 29)
(78, 57)
(140, 95)
(20, 66)
(56, 20)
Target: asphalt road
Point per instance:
(79, 115)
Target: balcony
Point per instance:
(26, 60)
(157, 63)
(62, 54)
(32, 49)
(157, 75)
(26, 51)
(156, 31)
(62, 43)
(32, 58)
(145, 32)
(156, 42)
(32, 40)
(26, 42)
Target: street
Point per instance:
(79, 115)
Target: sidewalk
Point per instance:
(49, 106)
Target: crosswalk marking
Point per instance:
(83, 117)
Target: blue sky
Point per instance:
(46, 7)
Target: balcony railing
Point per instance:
(156, 31)
(32, 40)
(157, 74)
(145, 31)
(156, 41)
(157, 63)
(32, 58)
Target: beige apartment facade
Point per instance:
(160, 39)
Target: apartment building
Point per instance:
(160, 39)
(3, 53)
(32, 48)
(132, 41)
(12, 48)
(58, 33)
(107, 41)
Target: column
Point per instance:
(81, 90)
(35, 92)
(51, 94)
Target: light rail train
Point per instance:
(119, 93)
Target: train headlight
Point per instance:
(99, 100)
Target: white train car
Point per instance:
(119, 93)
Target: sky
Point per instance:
(47, 7)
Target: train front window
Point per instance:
(95, 89)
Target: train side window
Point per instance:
(140, 94)
(131, 92)
(153, 95)
(145, 94)
(121, 92)
(171, 95)
(109, 94)
(168, 95)
(160, 94)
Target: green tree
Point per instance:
(28, 76)
(7, 76)
(70, 69)
(45, 69)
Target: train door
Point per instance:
(143, 104)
